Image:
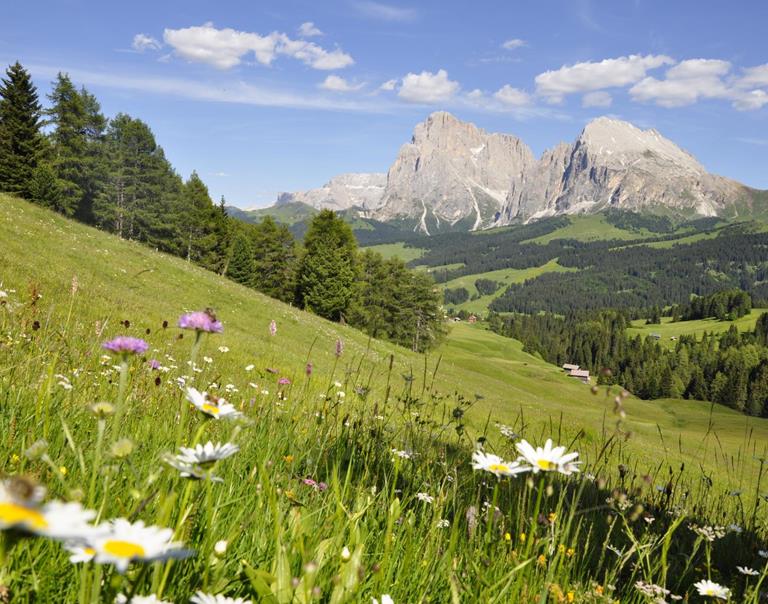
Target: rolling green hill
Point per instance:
(123, 280)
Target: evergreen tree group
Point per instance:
(111, 173)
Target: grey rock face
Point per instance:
(452, 171)
(342, 192)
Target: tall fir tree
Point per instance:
(328, 268)
(241, 265)
(275, 259)
(21, 143)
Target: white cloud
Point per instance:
(698, 68)
(513, 44)
(385, 12)
(427, 87)
(336, 83)
(589, 76)
(750, 100)
(388, 85)
(599, 98)
(754, 76)
(226, 48)
(685, 83)
(142, 42)
(308, 30)
(512, 96)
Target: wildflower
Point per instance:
(651, 590)
(443, 523)
(735, 528)
(570, 552)
(207, 454)
(154, 364)
(121, 543)
(216, 408)
(284, 381)
(272, 328)
(385, 599)
(507, 432)
(249, 367)
(763, 553)
(63, 470)
(615, 550)
(80, 553)
(308, 369)
(745, 570)
(208, 360)
(425, 497)
(402, 454)
(712, 589)
(122, 448)
(507, 537)
(496, 465)
(341, 394)
(541, 560)
(339, 347)
(548, 459)
(223, 349)
(220, 548)
(37, 449)
(709, 533)
(201, 321)
(204, 598)
(125, 345)
(345, 554)
(151, 599)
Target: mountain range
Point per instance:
(453, 175)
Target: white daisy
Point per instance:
(425, 497)
(762, 553)
(712, 589)
(548, 459)
(80, 552)
(151, 599)
(121, 543)
(20, 509)
(745, 570)
(204, 598)
(496, 465)
(385, 599)
(216, 408)
(207, 453)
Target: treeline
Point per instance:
(724, 305)
(112, 174)
(729, 369)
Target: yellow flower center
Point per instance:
(546, 465)
(710, 592)
(12, 514)
(498, 467)
(124, 549)
(212, 409)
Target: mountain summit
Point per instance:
(453, 175)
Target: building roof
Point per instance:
(570, 366)
(579, 373)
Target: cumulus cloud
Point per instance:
(684, 84)
(589, 76)
(388, 85)
(599, 98)
(142, 42)
(308, 30)
(754, 76)
(226, 48)
(513, 44)
(427, 87)
(512, 96)
(336, 83)
(384, 12)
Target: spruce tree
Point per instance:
(21, 143)
(275, 259)
(241, 265)
(328, 268)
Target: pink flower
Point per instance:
(339, 346)
(201, 321)
(126, 345)
(284, 381)
(272, 328)
(309, 369)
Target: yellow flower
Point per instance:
(552, 517)
(288, 458)
(599, 590)
(63, 470)
(570, 596)
(570, 552)
(522, 537)
(561, 548)
(507, 537)
(541, 560)
(15, 458)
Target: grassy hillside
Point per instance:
(352, 478)
(590, 228)
(397, 250)
(667, 329)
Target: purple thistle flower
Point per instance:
(154, 364)
(309, 369)
(339, 346)
(200, 321)
(284, 381)
(321, 486)
(126, 345)
(272, 328)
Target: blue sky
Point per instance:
(261, 97)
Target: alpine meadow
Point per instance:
(314, 303)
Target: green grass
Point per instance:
(590, 228)
(667, 329)
(286, 539)
(397, 250)
(505, 276)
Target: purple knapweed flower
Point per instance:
(126, 345)
(200, 321)
(272, 328)
(309, 369)
(339, 347)
(154, 364)
(284, 381)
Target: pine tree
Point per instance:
(21, 143)
(275, 260)
(241, 265)
(328, 268)
(45, 188)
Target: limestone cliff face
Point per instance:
(614, 164)
(452, 171)
(342, 192)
